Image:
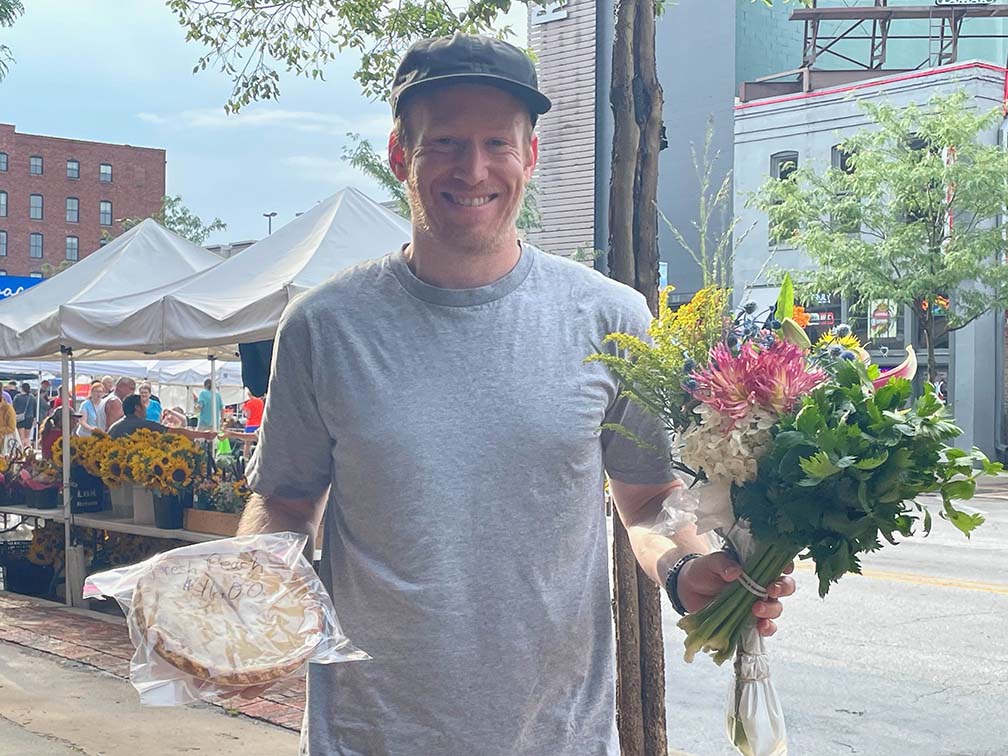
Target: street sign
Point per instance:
(11, 285)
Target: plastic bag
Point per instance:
(754, 717)
(211, 619)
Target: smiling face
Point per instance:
(144, 394)
(470, 153)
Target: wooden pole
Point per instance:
(636, 98)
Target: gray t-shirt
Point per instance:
(465, 536)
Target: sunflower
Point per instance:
(180, 475)
(850, 341)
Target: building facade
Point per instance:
(59, 198)
(806, 129)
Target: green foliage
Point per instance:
(652, 372)
(714, 249)
(845, 471)
(926, 192)
(249, 40)
(178, 218)
(785, 299)
(9, 12)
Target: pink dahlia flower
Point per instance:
(772, 378)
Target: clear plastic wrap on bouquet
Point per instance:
(215, 618)
(754, 717)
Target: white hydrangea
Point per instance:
(726, 450)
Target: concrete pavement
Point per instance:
(52, 707)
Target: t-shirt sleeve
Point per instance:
(293, 459)
(627, 459)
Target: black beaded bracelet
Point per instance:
(672, 584)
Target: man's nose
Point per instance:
(471, 166)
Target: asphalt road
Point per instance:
(910, 659)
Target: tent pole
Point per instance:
(71, 390)
(213, 392)
(38, 412)
(67, 514)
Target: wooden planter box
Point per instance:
(216, 523)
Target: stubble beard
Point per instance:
(475, 240)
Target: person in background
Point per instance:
(174, 418)
(152, 407)
(9, 440)
(52, 430)
(134, 419)
(8, 396)
(108, 383)
(253, 412)
(110, 410)
(59, 400)
(89, 410)
(205, 406)
(45, 394)
(25, 408)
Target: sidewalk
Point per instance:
(993, 485)
(102, 643)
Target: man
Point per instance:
(206, 404)
(25, 408)
(110, 410)
(438, 401)
(134, 419)
(108, 383)
(45, 395)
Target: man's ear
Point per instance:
(530, 164)
(397, 157)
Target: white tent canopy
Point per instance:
(165, 372)
(241, 299)
(145, 256)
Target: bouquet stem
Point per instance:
(717, 627)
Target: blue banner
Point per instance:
(11, 285)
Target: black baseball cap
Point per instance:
(468, 59)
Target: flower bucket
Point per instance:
(217, 523)
(143, 506)
(122, 501)
(42, 498)
(167, 511)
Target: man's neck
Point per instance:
(446, 268)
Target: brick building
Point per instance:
(58, 196)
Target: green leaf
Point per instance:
(785, 300)
(959, 489)
(809, 421)
(967, 523)
(871, 463)
(818, 466)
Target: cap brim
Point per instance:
(537, 102)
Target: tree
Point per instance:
(362, 156)
(249, 40)
(714, 249)
(178, 218)
(9, 12)
(49, 270)
(912, 217)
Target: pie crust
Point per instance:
(230, 620)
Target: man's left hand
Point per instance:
(702, 579)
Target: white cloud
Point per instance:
(371, 126)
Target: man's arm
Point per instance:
(113, 411)
(192, 435)
(273, 514)
(700, 580)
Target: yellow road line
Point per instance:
(906, 577)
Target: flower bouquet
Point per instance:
(791, 450)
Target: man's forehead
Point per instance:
(464, 103)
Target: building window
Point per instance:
(105, 213)
(35, 274)
(3, 161)
(3, 272)
(105, 172)
(3, 204)
(35, 207)
(73, 210)
(73, 169)
(877, 323)
(35, 246)
(782, 167)
(3, 244)
(72, 247)
(35, 165)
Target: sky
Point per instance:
(121, 71)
